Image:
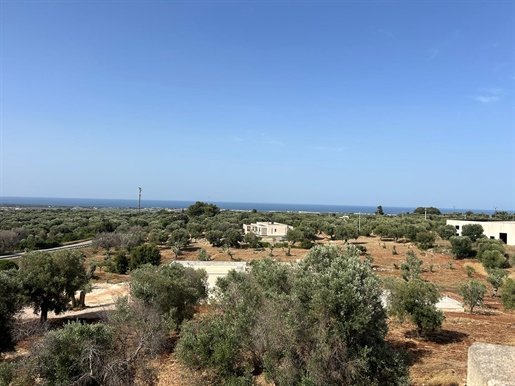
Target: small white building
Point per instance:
(267, 229)
(499, 230)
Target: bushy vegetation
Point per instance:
(304, 325)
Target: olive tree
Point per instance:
(461, 246)
(473, 231)
(473, 293)
(319, 323)
(173, 289)
(50, 280)
(10, 305)
(416, 299)
(145, 254)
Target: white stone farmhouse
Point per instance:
(267, 229)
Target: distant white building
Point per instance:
(267, 229)
(500, 230)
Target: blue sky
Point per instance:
(340, 102)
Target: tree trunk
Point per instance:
(44, 314)
(82, 299)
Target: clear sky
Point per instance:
(407, 103)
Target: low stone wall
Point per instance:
(491, 365)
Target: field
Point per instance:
(440, 360)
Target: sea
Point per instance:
(53, 202)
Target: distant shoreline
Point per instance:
(54, 202)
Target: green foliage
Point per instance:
(470, 270)
(50, 280)
(179, 238)
(120, 263)
(145, 254)
(10, 305)
(172, 289)
(461, 246)
(320, 323)
(446, 231)
(424, 210)
(346, 232)
(485, 244)
(203, 255)
(215, 238)
(417, 299)
(508, 294)
(6, 265)
(232, 237)
(473, 231)
(379, 210)
(201, 208)
(306, 244)
(74, 354)
(294, 236)
(473, 293)
(496, 278)
(412, 268)
(425, 240)
(117, 353)
(494, 259)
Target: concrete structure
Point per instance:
(491, 365)
(445, 303)
(214, 269)
(499, 230)
(267, 229)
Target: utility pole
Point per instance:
(359, 224)
(139, 201)
(425, 213)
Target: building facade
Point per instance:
(499, 230)
(267, 229)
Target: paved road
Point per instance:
(70, 246)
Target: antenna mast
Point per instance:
(139, 201)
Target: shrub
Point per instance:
(303, 325)
(473, 293)
(470, 270)
(446, 231)
(145, 254)
(203, 255)
(411, 269)
(508, 294)
(473, 231)
(6, 265)
(417, 299)
(306, 244)
(461, 246)
(425, 240)
(494, 259)
(121, 263)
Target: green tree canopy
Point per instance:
(473, 293)
(417, 299)
(461, 246)
(10, 305)
(201, 208)
(145, 254)
(428, 210)
(446, 231)
(50, 280)
(305, 325)
(474, 231)
(172, 289)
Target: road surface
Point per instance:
(70, 246)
